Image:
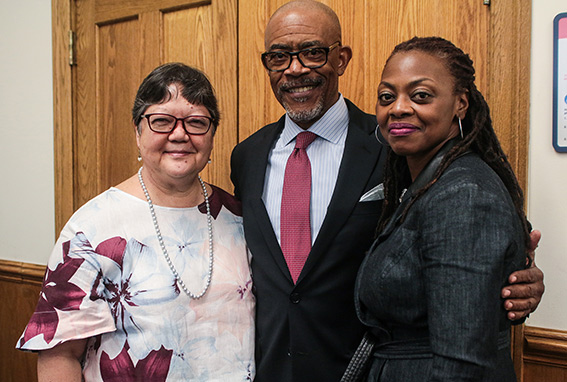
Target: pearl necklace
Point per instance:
(162, 245)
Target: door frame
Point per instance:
(62, 26)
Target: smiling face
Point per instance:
(176, 157)
(417, 107)
(306, 94)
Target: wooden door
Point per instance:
(372, 28)
(496, 36)
(117, 44)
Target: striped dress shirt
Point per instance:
(325, 155)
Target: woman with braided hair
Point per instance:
(452, 228)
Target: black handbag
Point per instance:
(360, 361)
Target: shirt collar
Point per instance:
(330, 126)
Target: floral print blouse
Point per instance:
(107, 280)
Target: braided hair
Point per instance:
(478, 133)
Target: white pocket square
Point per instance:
(377, 193)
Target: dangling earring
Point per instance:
(377, 136)
(209, 161)
(461, 128)
(139, 156)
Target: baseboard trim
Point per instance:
(20, 272)
(545, 346)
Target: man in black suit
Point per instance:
(307, 329)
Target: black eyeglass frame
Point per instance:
(326, 49)
(147, 117)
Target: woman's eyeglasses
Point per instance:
(166, 123)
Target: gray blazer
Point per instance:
(430, 286)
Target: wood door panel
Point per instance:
(117, 81)
(114, 10)
(224, 76)
(118, 44)
(205, 37)
(257, 105)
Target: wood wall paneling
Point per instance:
(20, 284)
(372, 28)
(545, 355)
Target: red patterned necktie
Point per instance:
(295, 226)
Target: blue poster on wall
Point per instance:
(560, 83)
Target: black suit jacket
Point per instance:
(308, 331)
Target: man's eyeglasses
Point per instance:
(312, 58)
(165, 123)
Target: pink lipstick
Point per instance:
(401, 129)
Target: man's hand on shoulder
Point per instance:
(526, 288)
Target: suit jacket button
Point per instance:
(295, 298)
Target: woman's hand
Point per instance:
(61, 363)
(524, 294)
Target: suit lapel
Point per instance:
(258, 161)
(255, 188)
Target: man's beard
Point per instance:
(302, 116)
(305, 116)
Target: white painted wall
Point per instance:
(26, 148)
(27, 225)
(547, 188)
